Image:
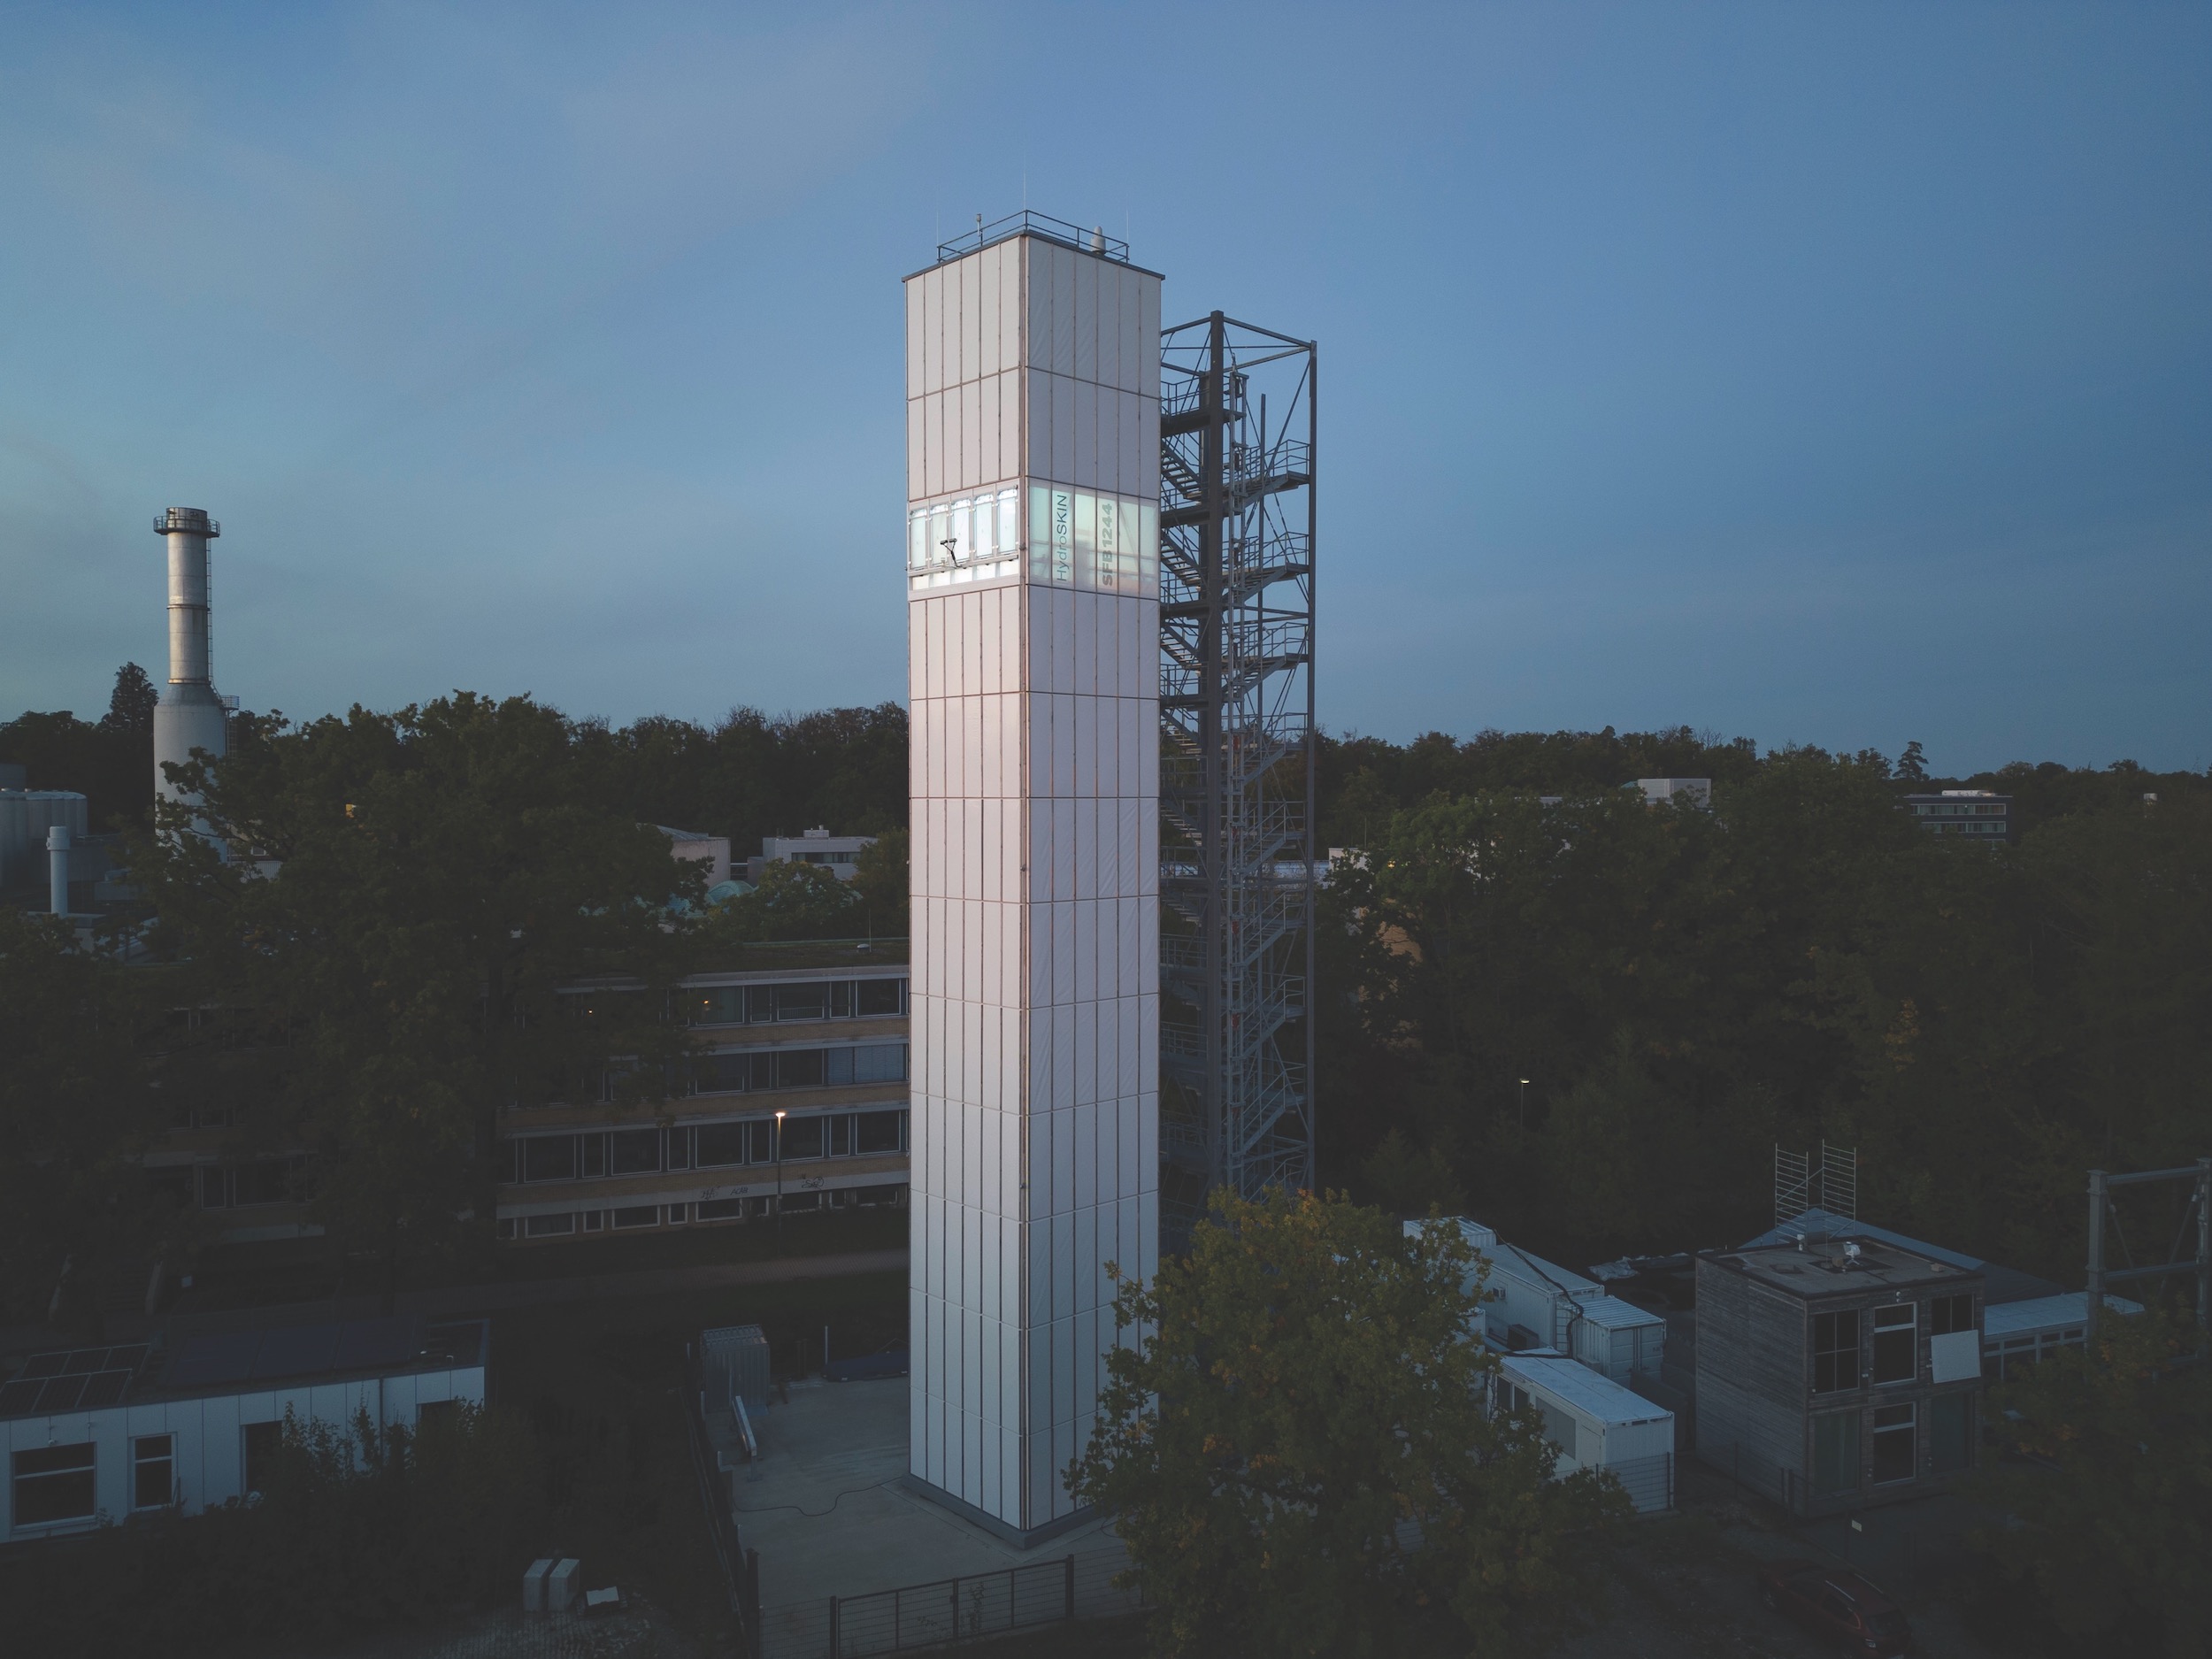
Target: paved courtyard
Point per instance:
(825, 1509)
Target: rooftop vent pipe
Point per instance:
(57, 868)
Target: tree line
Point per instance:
(350, 1000)
(1684, 990)
(1681, 988)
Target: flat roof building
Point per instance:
(840, 855)
(99, 1434)
(1836, 1374)
(1976, 814)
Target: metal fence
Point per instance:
(1073, 1586)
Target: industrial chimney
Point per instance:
(189, 714)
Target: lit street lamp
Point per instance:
(1524, 1107)
(779, 1183)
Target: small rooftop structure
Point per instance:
(1531, 1303)
(1818, 1228)
(1661, 791)
(696, 845)
(840, 855)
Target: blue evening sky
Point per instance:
(1837, 374)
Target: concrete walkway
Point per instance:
(447, 1301)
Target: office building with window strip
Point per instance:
(795, 1101)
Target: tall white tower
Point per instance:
(1032, 425)
(189, 714)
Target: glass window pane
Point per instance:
(799, 1067)
(548, 1158)
(802, 1138)
(1109, 543)
(634, 1151)
(53, 1483)
(1951, 1432)
(837, 1067)
(720, 1144)
(1063, 536)
(879, 996)
(877, 1132)
(151, 1462)
(880, 1062)
(804, 1001)
(1835, 1351)
(1836, 1452)
(760, 1141)
(259, 1445)
(1896, 1352)
(1895, 1457)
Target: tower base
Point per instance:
(1018, 1536)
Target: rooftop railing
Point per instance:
(1026, 223)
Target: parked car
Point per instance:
(1842, 1606)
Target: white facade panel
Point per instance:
(1030, 367)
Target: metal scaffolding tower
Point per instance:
(1237, 866)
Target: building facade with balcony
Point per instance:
(796, 1101)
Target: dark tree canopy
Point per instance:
(109, 761)
(130, 705)
(1685, 989)
(1296, 1438)
(407, 897)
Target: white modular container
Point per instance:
(1539, 1300)
(1618, 1339)
(1597, 1423)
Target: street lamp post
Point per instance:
(1523, 1107)
(779, 1183)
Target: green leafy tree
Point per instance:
(1685, 989)
(791, 900)
(131, 704)
(77, 1106)
(411, 906)
(354, 1530)
(109, 761)
(2109, 1530)
(1294, 1438)
(880, 880)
